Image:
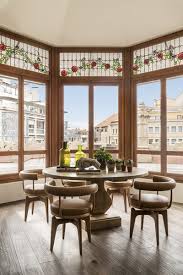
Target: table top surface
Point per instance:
(103, 175)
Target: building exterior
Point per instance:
(34, 117)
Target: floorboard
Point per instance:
(24, 247)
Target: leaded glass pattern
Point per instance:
(160, 56)
(77, 64)
(24, 56)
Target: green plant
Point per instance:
(119, 161)
(111, 161)
(102, 156)
(129, 162)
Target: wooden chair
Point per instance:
(73, 183)
(71, 210)
(151, 204)
(122, 187)
(34, 191)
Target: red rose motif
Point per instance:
(119, 69)
(63, 73)
(74, 69)
(160, 55)
(146, 61)
(93, 64)
(135, 67)
(180, 56)
(107, 66)
(2, 47)
(36, 66)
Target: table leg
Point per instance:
(102, 202)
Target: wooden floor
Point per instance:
(24, 247)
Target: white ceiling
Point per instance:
(92, 22)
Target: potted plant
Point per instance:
(129, 164)
(123, 165)
(118, 164)
(111, 165)
(102, 156)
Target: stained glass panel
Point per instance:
(22, 55)
(79, 64)
(160, 56)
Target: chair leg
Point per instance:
(32, 207)
(27, 202)
(156, 220)
(132, 221)
(88, 227)
(46, 207)
(142, 222)
(54, 225)
(63, 230)
(112, 196)
(79, 235)
(165, 219)
(129, 198)
(125, 200)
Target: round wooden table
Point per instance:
(102, 199)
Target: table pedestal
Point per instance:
(101, 203)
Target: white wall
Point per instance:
(10, 192)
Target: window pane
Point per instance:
(8, 114)
(149, 162)
(175, 164)
(106, 117)
(34, 161)
(175, 114)
(34, 115)
(8, 164)
(148, 116)
(76, 116)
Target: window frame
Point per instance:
(91, 84)
(20, 152)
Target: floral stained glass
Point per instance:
(160, 56)
(23, 56)
(90, 64)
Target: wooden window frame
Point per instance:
(163, 152)
(20, 152)
(71, 81)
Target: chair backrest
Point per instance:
(76, 191)
(32, 174)
(158, 183)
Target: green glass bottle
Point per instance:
(79, 154)
(64, 155)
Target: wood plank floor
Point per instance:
(24, 247)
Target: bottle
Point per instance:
(64, 155)
(79, 154)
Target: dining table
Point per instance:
(100, 219)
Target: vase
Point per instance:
(64, 155)
(111, 167)
(123, 167)
(79, 154)
(129, 168)
(118, 166)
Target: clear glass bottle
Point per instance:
(64, 155)
(79, 154)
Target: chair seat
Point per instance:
(149, 201)
(73, 183)
(71, 207)
(116, 185)
(38, 189)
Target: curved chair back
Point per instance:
(158, 183)
(32, 174)
(77, 191)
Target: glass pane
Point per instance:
(34, 115)
(8, 114)
(175, 164)
(106, 117)
(175, 114)
(8, 164)
(149, 162)
(76, 116)
(148, 116)
(34, 161)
